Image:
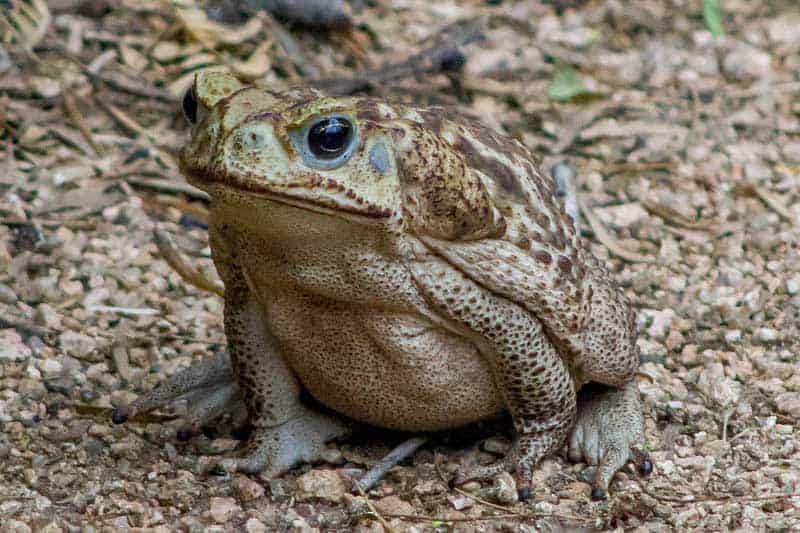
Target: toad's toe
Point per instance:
(609, 433)
(274, 450)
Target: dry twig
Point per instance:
(444, 56)
(401, 452)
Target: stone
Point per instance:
(31, 388)
(127, 447)
(789, 403)
(473, 487)
(223, 509)
(716, 386)
(77, 344)
(7, 295)
(247, 489)
(320, 485)
(793, 285)
(504, 489)
(744, 62)
(332, 456)
(254, 525)
(15, 526)
(733, 336)
(622, 215)
(660, 322)
(782, 30)
(11, 346)
(50, 367)
(460, 502)
(391, 505)
(429, 487)
(47, 317)
(757, 172)
(576, 490)
(791, 151)
(766, 335)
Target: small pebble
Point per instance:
(473, 487)
(247, 489)
(793, 285)
(766, 335)
(254, 525)
(504, 489)
(223, 509)
(320, 484)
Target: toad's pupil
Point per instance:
(329, 137)
(190, 105)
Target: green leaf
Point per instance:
(713, 18)
(566, 84)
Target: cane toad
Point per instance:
(408, 269)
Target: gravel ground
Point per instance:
(686, 145)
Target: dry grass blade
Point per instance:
(670, 214)
(189, 274)
(609, 241)
(374, 511)
(175, 185)
(75, 116)
(775, 202)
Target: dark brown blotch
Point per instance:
(432, 119)
(507, 179)
(543, 257)
(368, 111)
(564, 264)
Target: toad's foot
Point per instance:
(609, 432)
(208, 387)
(274, 450)
(525, 454)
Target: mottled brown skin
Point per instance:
(429, 280)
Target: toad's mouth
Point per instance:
(315, 195)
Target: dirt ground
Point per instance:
(686, 145)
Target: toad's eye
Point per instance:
(326, 143)
(330, 137)
(190, 105)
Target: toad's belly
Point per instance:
(394, 370)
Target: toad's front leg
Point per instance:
(285, 432)
(256, 380)
(529, 373)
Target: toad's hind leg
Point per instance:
(208, 388)
(530, 375)
(609, 433)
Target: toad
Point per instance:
(408, 269)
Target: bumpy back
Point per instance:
(510, 232)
